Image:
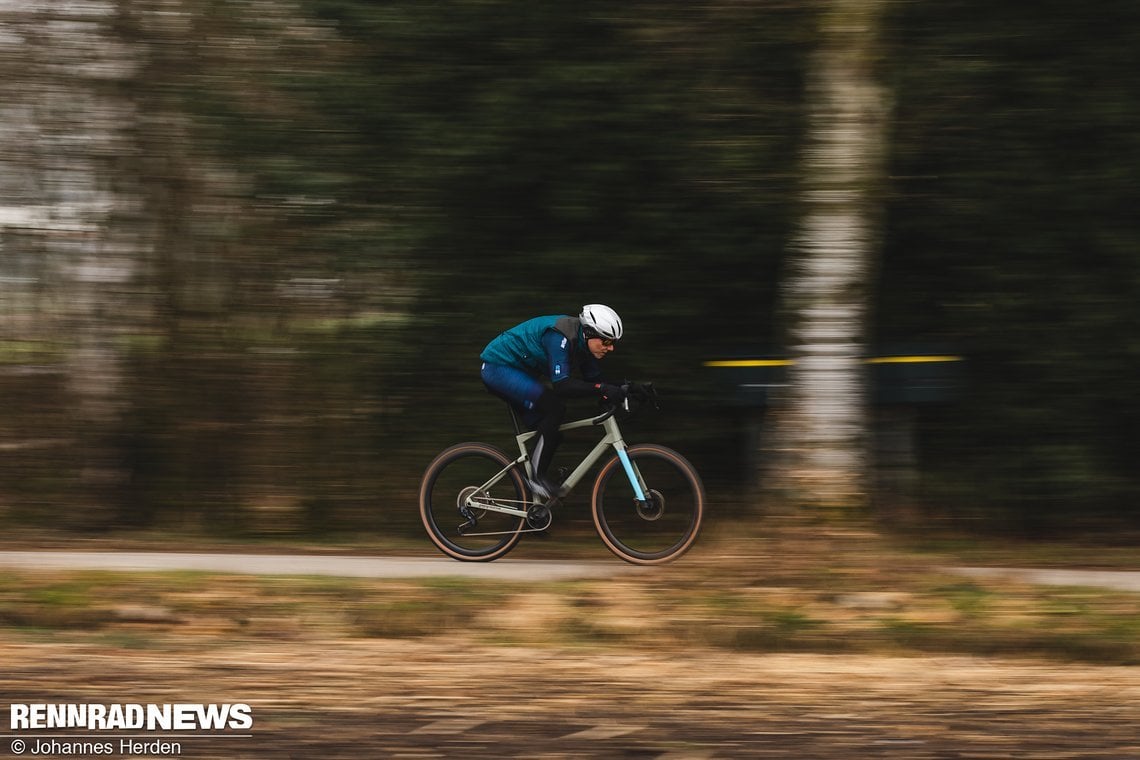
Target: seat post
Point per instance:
(514, 419)
(510, 408)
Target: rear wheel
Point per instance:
(663, 525)
(452, 489)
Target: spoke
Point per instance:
(451, 489)
(666, 523)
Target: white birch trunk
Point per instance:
(66, 123)
(822, 429)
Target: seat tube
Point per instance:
(524, 455)
(633, 475)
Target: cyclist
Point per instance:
(531, 366)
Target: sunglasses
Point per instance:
(606, 341)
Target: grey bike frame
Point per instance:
(611, 439)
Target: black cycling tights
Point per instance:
(550, 410)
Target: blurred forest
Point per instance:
(250, 250)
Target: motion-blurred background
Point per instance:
(250, 250)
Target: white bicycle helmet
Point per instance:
(602, 320)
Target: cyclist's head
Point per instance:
(600, 321)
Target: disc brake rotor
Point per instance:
(653, 507)
(464, 495)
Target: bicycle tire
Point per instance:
(456, 469)
(642, 533)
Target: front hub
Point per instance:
(653, 507)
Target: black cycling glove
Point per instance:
(612, 393)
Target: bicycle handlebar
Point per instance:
(648, 395)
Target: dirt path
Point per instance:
(321, 666)
(311, 564)
(439, 699)
(424, 567)
(1120, 580)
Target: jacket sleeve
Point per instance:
(559, 366)
(572, 387)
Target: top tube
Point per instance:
(587, 422)
(575, 424)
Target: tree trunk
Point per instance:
(822, 425)
(62, 96)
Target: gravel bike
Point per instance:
(647, 501)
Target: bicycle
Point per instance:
(647, 500)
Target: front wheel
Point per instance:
(455, 488)
(663, 525)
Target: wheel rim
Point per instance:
(447, 486)
(636, 531)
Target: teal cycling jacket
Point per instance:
(549, 346)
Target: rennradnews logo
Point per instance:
(133, 717)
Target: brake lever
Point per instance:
(651, 395)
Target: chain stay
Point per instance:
(497, 505)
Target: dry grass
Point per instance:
(800, 587)
(818, 641)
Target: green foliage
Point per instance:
(557, 154)
(1012, 236)
(347, 199)
(493, 162)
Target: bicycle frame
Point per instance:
(645, 500)
(611, 439)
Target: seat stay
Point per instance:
(496, 505)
